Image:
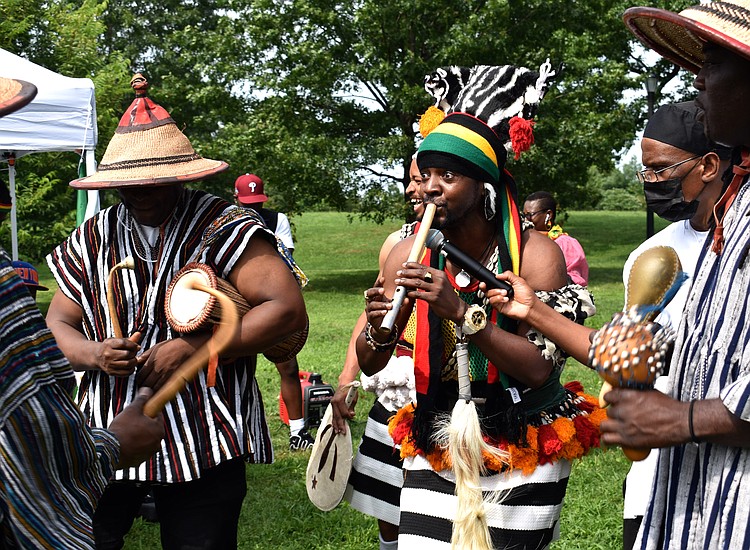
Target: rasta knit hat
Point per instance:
(676, 125)
(15, 94)
(488, 110)
(148, 149)
(680, 37)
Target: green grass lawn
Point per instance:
(340, 257)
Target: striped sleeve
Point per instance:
(53, 471)
(736, 397)
(230, 235)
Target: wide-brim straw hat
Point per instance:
(680, 37)
(148, 149)
(15, 94)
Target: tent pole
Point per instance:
(13, 221)
(92, 202)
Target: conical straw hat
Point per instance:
(680, 37)
(148, 149)
(15, 94)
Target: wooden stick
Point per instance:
(221, 338)
(127, 263)
(417, 248)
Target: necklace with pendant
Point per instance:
(463, 279)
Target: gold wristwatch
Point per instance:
(475, 319)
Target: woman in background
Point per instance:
(540, 208)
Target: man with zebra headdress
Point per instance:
(531, 426)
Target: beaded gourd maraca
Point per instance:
(631, 350)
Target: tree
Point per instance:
(321, 98)
(354, 71)
(63, 37)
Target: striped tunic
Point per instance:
(53, 468)
(204, 426)
(525, 513)
(374, 486)
(701, 494)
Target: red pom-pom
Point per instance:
(521, 135)
(575, 386)
(549, 443)
(587, 433)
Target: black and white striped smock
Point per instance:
(701, 493)
(526, 515)
(375, 482)
(204, 426)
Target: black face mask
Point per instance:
(666, 199)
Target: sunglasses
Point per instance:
(529, 215)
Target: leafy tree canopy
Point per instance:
(321, 98)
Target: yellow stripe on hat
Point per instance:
(466, 134)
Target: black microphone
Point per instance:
(436, 241)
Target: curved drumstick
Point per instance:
(416, 251)
(127, 263)
(221, 338)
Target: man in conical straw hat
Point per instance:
(217, 423)
(491, 414)
(53, 467)
(700, 494)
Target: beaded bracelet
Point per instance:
(380, 346)
(693, 438)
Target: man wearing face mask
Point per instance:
(682, 180)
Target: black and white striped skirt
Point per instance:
(375, 482)
(527, 515)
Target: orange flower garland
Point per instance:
(563, 438)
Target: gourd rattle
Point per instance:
(631, 350)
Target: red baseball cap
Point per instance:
(248, 189)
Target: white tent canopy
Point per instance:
(62, 117)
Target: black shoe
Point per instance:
(302, 441)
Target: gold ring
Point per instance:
(427, 277)
(367, 297)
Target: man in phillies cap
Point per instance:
(249, 192)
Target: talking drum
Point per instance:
(189, 310)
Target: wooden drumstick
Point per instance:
(218, 342)
(417, 249)
(127, 263)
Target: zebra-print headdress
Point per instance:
(479, 113)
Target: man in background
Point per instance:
(682, 180)
(248, 191)
(30, 277)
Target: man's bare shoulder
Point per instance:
(398, 255)
(542, 262)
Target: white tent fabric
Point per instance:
(62, 117)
